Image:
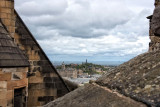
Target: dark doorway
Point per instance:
(19, 97)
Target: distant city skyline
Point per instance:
(76, 30)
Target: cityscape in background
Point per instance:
(82, 72)
(110, 63)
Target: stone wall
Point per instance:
(154, 33)
(45, 84)
(11, 79)
(7, 15)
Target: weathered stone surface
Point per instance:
(43, 92)
(137, 78)
(3, 84)
(17, 75)
(36, 79)
(3, 94)
(3, 103)
(155, 22)
(11, 85)
(9, 95)
(9, 69)
(5, 77)
(94, 96)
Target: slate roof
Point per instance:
(92, 95)
(10, 54)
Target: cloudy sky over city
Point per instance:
(97, 30)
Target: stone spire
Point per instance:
(7, 15)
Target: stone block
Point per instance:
(9, 16)
(11, 28)
(3, 84)
(43, 92)
(50, 74)
(12, 35)
(3, 15)
(22, 83)
(9, 103)
(9, 95)
(3, 94)
(1, 71)
(50, 85)
(32, 101)
(33, 86)
(51, 79)
(5, 77)
(8, 4)
(46, 98)
(22, 69)
(24, 75)
(35, 79)
(3, 103)
(34, 57)
(17, 84)
(38, 74)
(155, 39)
(17, 75)
(9, 69)
(7, 22)
(2, 4)
(11, 85)
(6, 10)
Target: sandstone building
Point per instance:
(27, 77)
(69, 72)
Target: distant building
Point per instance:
(63, 66)
(69, 72)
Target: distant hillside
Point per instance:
(109, 63)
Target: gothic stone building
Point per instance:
(27, 77)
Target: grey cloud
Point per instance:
(88, 27)
(41, 7)
(77, 19)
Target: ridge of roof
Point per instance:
(41, 49)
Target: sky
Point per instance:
(97, 30)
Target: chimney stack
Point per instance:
(7, 15)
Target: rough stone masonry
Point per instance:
(27, 76)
